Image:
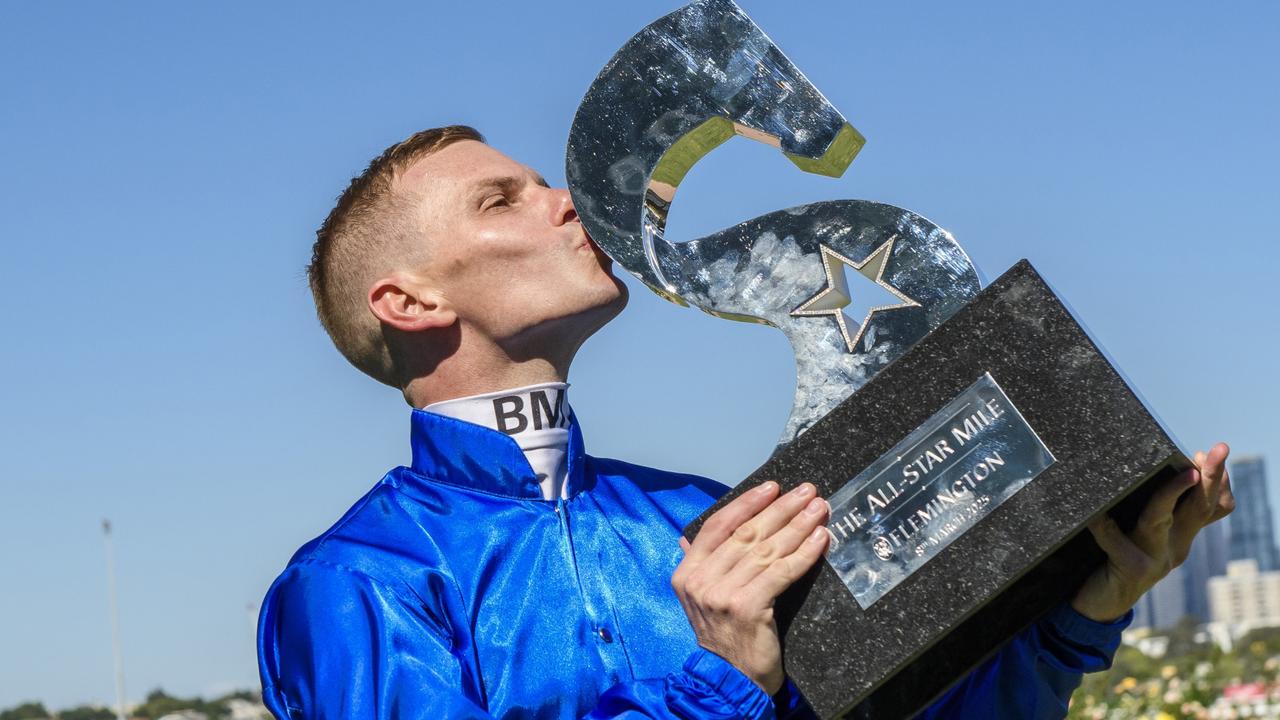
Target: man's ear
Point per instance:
(409, 305)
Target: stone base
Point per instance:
(998, 576)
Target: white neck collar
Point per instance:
(535, 416)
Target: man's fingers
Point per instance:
(784, 571)
(1165, 498)
(781, 544)
(1204, 489)
(1152, 531)
(1200, 501)
(1187, 522)
(1118, 547)
(1214, 469)
(729, 518)
(684, 544)
(1226, 501)
(1217, 457)
(745, 541)
(1204, 504)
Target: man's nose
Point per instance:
(562, 207)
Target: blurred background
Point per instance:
(163, 168)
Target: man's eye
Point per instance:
(496, 201)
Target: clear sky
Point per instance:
(163, 167)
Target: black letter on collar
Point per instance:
(542, 408)
(501, 415)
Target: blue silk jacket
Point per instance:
(453, 590)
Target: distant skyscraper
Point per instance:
(1208, 558)
(1252, 534)
(1165, 604)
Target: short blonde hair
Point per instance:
(366, 234)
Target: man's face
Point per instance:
(507, 251)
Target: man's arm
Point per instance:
(334, 643)
(331, 644)
(1034, 674)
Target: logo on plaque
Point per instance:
(881, 548)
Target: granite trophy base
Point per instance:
(999, 575)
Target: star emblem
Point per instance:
(835, 296)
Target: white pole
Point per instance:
(115, 619)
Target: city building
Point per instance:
(1163, 605)
(1252, 534)
(1208, 559)
(1245, 596)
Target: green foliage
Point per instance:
(1185, 683)
(1182, 638)
(158, 704)
(25, 711)
(86, 712)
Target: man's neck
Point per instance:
(479, 363)
(462, 380)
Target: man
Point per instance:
(506, 573)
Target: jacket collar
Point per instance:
(472, 456)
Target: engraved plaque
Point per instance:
(931, 488)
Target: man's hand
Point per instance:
(1161, 539)
(746, 554)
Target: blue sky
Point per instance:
(163, 167)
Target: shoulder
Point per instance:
(654, 480)
(374, 514)
(380, 545)
(374, 570)
(323, 637)
(679, 498)
(312, 588)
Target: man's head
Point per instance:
(444, 242)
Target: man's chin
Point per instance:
(573, 329)
(611, 305)
(623, 293)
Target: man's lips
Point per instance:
(596, 248)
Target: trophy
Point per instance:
(964, 436)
